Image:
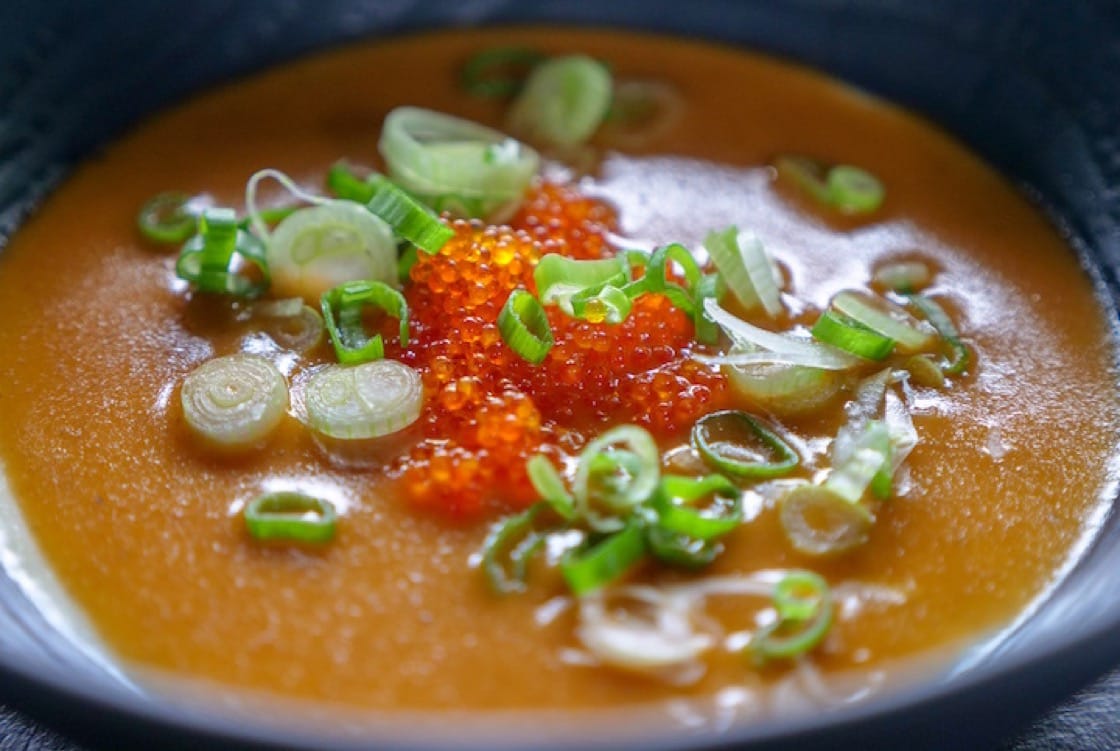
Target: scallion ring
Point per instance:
(885, 318)
(550, 485)
(941, 321)
(590, 569)
(819, 521)
(564, 101)
(558, 277)
(657, 276)
(675, 513)
(363, 401)
(290, 323)
(342, 314)
(848, 334)
(222, 258)
(524, 326)
(289, 516)
(746, 269)
(234, 402)
(805, 613)
(414, 222)
(168, 218)
(725, 441)
(847, 189)
(513, 539)
(616, 472)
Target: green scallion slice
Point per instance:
(805, 613)
(289, 516)
(710, 286)
(408, 218)
(616, 472)
(564, 101)
(234, 402)
(746, 268)
(819, 521)
(590, 569)
(850, 335)
(657, 276)
(680, 550)
(848, 189)
(524, 326)
(345, 183)
(884, 317)
(675, 514)
(558, 277)
(168, 218)
(508, 549)
(728, 441)
(550, 486)
(342, 314)
(936, 315)
(363, 401)
(608, 304)
(499, 72)
(222, 258)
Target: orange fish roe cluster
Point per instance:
(486, 409)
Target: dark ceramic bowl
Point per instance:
(1032, 86)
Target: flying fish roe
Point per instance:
(486, 409)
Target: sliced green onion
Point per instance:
(433, 156)
(550, 486)
(885, 318)
(805, 613)
(499, 72)
(608, 304)
(819, 521)
(724, 440)
(290, 517)
(845, 188)
(409, 219)
(342, 314)
(363, 401)
(675, 515)
(406, 262)
(763, 346)
(846, 333)
(657, 277)
(865, 462)
(320, 247)
(941, 321)
(680, 550)
(345, 183)
(710, 287)
(290, 323)
(221, 258)
(234, 402)
(558, 277)
(788, 390)
(524, 326)
(617, 471)
(924, 371)
(259, 219)
(168, 218)
(905, 277)
(516, 540)
(593, 568)
(746, 268)
(564, 101)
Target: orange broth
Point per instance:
(143, 528)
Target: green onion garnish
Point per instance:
(290, 517)
(499, 72)
(724, 440)
(864, 463)
(805, 612)
(675, 513)
(168, 218)
(940, 320)
(564, 101)
(550, 486)
(884, 317)
(616, 472)
(711, 287)
(345, 183)
(657, 277)
(524, 326)
(608, 304)
(234, 402)
(409, 219)
(342, 314)
(845, 188)
(852, 336)
(558, 277)
(746, 268)
(589, 569)
(682, 551)
(819, 521)
(513, 539)
(290, 323)
(221, 256)
(363, 401)
(434, 156)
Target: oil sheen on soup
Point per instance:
(720, 372)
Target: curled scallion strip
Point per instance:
(722, 439)
(805, 614)
(658, 279)
(550, 486)
(564, 101)
(936, 315)
(363, 401)
(222, 258)
(342, 314)
(508, 549)
(524, 326)
(289, 516)
(234, 402)
(617, 472)
(559, 278)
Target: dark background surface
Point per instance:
(1030, 84)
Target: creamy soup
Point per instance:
(144, 524)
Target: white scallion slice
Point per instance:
(563, 102)
(903, 276)
(234, 402)
(290, 323)
(320, 247)
(776, 348)
(819, 521)
(886, 318)
(363, 401)
(746, 268)
(449, 162)
(783, 389)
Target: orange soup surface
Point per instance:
(144, 526)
